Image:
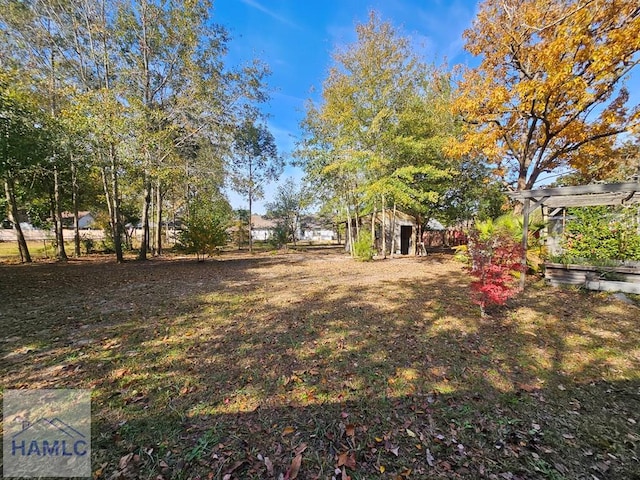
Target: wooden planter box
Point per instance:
(609, 279)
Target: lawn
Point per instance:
(39, 250)
(311, 365)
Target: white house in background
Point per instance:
(85, 220)
(262, 228)
(314, 231)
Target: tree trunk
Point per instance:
(144, 245)
(356, 215)
(296, 223)
(9, 189)
(152, 216)
(57, 218)
(384, 228)
(419, 238)
(107, 196)
(158, 217)
(115, 198)
(74, 201)
(393, 229)
(373, 226)
(250, 222)
(349, 229)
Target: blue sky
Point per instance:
(297, 37)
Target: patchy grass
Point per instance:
(39, 250)
(242, 366)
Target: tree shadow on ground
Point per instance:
(381, 368)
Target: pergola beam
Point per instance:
(628, 187)
(592, 200)
(578, 196)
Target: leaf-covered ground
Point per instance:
(310, 365)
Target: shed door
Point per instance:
(405, 239)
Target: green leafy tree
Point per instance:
(254, 163)
(377, 136)
(287, 207)
(26, 137)
(206, 228)
(174, 85)
(144, 93)
(472, 194)
(601, 233)
(241, 221)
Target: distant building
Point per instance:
(85, 220)
(312, 229)
(262, 228)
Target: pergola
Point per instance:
(625, 193)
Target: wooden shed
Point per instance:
(401, 231)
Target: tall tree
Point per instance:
(367, 137)
(138, 84)
(288, 205)
(26, 141)
(550, 87)
(158, 38)
(34, 43)
(255, 162)
(177, 85)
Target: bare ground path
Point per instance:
(243, 365)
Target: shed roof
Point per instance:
(258, 221)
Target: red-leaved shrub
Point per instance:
(494, 260)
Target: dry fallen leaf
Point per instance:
(347, 459)
(292, 473)
(430, 459)
(124, 461)
(391, 448)
(269, 465)
(288, 430)
(351, 430)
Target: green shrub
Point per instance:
(280, 236)
(363, 247)
(601, 233)
(205, 230)
(88, 244)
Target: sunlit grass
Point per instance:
(37, 249)
(174, 351)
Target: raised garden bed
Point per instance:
(622, 278)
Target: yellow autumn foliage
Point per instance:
(549, 90)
